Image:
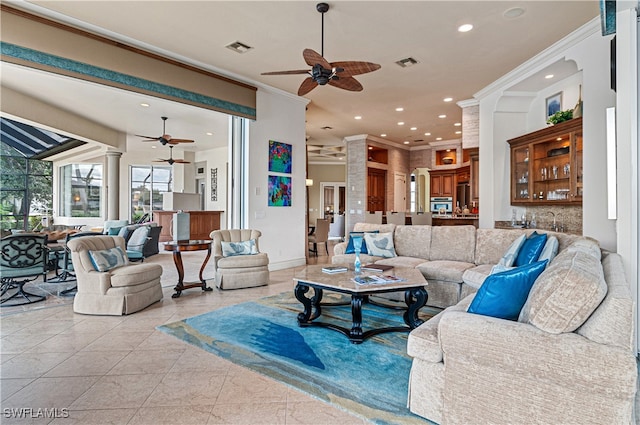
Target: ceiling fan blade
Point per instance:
(355, 68)
(307, 85)
(296, 71)
(160, 160)
(176, 141)
(347, 83)
(149, 140)
(181, 161)
(147, 137)
(312, 58)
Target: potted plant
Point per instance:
(560, 116)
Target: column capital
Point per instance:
(116, 154)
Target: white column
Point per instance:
(113, 184)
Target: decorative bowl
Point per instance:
(447, 161)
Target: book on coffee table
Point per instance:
(334, 269)
(376, 267)
(375, 279)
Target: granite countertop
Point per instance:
(457, 217)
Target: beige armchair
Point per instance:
(239, 270)
(123, 289)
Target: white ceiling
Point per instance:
(451, 64)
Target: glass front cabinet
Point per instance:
(546, 165)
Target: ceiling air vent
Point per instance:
(407, 62)
(238, 47)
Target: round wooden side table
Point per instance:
(192, 245)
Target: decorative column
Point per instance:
(113, 184)
(470, 123)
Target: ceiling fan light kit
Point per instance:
(337, 74)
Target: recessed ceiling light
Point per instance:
(238, 47)
(401, 123)
(399, 109)
(549, 76)
(448, 150)
(442, 116)
(457, 124)
(208, 133)
(447, 99)
(427, 134)
(406, 142)
(144, 105)
(458, 132)
(438, 138)
(414, 128)
(153, 147)
(383, 135)
(465, 28)
(357, 117)
(513, 13)
(370, 147)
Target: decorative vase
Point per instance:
(357, 246)
(577, 111)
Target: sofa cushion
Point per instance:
(510, 255)
(380, 244)
(412, 241)
(444, 270)
(108, 259)
(229, 249)
(566, 294)
(503, 295)
(241, 261)
(531, 249)
(401, 261)
(587, 245)
(492, 243)
(138, 274)
(456, 243)
(475, 276)
(612, 322)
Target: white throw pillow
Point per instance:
(510, 255)
(550, 250)
(229, 249)
(380, 244)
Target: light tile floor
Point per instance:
(121, 370)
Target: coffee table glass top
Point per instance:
(342, 281)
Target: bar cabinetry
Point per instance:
(546, 165)
(201, 223)
(442, 183)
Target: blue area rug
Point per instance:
(368, 379)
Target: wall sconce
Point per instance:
(309, 182)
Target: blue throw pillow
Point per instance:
(503, 295)
(107, 259)
(531, 249)
(351, 250)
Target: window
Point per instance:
(147, 185)
(25, 190)
(81, 190)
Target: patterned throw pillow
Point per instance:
(229, 249)
(363, 249)
(380, 244)
(108, 259)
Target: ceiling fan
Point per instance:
(165, 138)
(172, 161)
(337, 74)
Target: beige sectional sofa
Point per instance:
(455, 260)
(568, 359)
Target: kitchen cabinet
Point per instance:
(546, 165)
(442, 183)
(201, 223)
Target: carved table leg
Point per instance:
(356, 335)
(177, 259)
(416, 299)
(311, 305)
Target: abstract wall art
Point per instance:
(279, 157)
(279, 191)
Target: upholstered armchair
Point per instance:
(121, 287)
(237, 259)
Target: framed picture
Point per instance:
(553, 104)
(214, 184)
(279, 191)
(279, 157)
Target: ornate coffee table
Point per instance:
(312, 277)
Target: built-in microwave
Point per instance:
(441, 205)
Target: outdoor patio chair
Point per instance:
(23, 259)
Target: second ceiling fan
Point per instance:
(337, 74)
(165, 139)
(172, 161)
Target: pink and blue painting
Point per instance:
(279, 157)
(279, 191)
